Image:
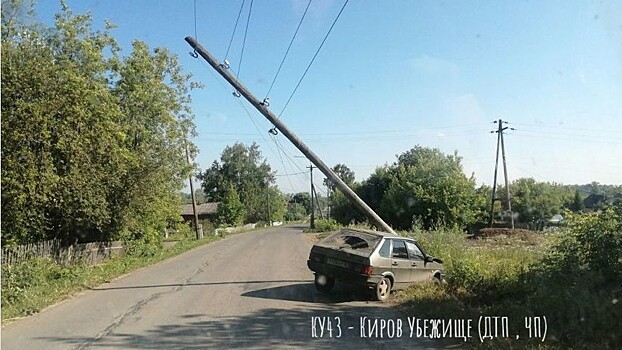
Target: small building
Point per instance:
(205, 211)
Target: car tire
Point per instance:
(382, 291)
(324, 283)
(439, 280)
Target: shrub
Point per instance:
(325, 225)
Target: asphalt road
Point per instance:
(251, 290)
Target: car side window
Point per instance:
(385, 250)
(399, 250)
(413, 251)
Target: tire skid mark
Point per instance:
(139, 306)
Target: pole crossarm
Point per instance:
(263, 109)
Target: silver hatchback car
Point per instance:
(378, 261)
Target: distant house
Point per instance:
(205, 211)
(594, 201)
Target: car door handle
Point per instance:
(394, 263)
(413, 264)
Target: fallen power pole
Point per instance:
(263, 109)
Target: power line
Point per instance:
(288, 48)
(292, 174)
(234, 29)
(273, 137)
(371, 132)
(222, 85)
(568, 128)
(248, 19)
(195, 20)
(313, 59)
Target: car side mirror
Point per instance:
(432, 259)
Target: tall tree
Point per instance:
(304, 199)
(344, 173)
(536, 202)
(424, 187)
(91, 143)
(230, 211)
(244, 168)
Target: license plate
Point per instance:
(337, 262)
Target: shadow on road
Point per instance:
(306, 292)
(196, 284)
(263, 329)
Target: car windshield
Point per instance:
(359, 241)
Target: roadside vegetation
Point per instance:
(34, 284)
(572, 276)
(93, 138)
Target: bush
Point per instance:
(575, 282)
(325, 225)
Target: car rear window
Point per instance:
(358, 241)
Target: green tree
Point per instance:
(153, 97)
(245, 169)
(304, 199)
(295, 212)
(345, 174)
(91, 143)
(230, 211)
(276, 204)
(536, 202)
(577, 202)
(423, 187)
(429, 188)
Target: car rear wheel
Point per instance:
(439, 280)
(324, 283)
(383, 289)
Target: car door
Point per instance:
(419, 271)
(400, 263)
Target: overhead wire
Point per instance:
(195, 21)
(289, 180)
(248, 19)
(277, 143)
(234, 29)
(313, 59)
(288, 48)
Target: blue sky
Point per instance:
(394, 74)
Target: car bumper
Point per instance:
(343, 275)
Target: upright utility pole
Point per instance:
(507, 184)
(499, 132)
(198, 229)
(329, 198)
(312, 224)
(262, 107)
(317, 202)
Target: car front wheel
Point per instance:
(383, 289)
(324, 283)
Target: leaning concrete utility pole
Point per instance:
(262, 107)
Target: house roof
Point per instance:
(202, 209)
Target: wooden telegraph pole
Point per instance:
(278, 124)
(198, 229)
(312, 224)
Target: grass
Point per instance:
(33, 285)
(518, 277)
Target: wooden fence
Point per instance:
(91, 253)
